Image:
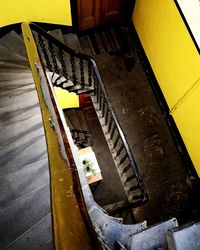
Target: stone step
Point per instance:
(72, 41)
(22, 214)
(9, 56)
(25, 152)
(18, 112)
(24, 180)
(9, 75)
(18, 94)
(186, 237)
(153, 237)
(14, 43)
(11, 66)
(57, 34)
(21, 132)
(38, 237)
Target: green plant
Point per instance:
(88, 167)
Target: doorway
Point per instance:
(92, 13)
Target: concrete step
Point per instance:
(72, 41)
(14, 43)
(22, 214)
(9, 56)
(38, 237)
(27, 151)
(153, 237)
(186, 237)
(24, 180)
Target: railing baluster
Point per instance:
(45, 53)
(90, 70)
(120, 150)
(107, 114)
(53, 56)
(62, 61)
(116, 141)
(112, 132)
(73, 67)
(81, 63)
(103, 108)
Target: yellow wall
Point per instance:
(48, 11)
(176, 65)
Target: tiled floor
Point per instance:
(158, 160)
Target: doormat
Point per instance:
(109, 40)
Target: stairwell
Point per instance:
(25, 209)
(25, 196)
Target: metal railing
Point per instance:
(78, 72)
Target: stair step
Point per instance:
(38, 237)
(153, 237)
(184, 238)
(9, 75)
(15, 43)
(21, 133)
(18, 94)
(11, 66)
(22, 214)
(18, 112)
(22, 181)
(72, 41)
(22, 153)
(12, 57)
(57, 34)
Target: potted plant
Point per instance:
(88, 167)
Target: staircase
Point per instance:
(25, 210)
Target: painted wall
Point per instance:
(176, 65)
(48, 11)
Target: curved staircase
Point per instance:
(25, 209)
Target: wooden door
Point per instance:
(113, 11)
(92, 13)
(88, 13)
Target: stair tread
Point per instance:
(9, 75)
(18, 112)
(22, 214)
(18, 94)
(11, 66)
(152, 237)
(57, 34)
(9, 56)
(39, 237)
(71, 40)
(15, 43)
(185, 237)
(25, 180)
(23, 153)
(16, 136)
